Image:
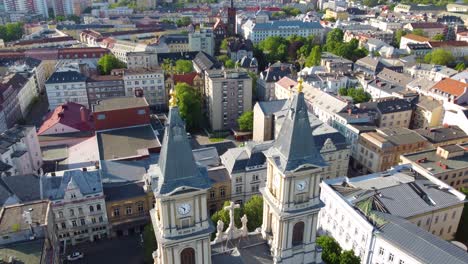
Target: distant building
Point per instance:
(78, 204)
(100, 87)
(67, 118)
(267, 79)
(202, 40)
(284, 28)
(229, 95)
(336, 64)
(429, 28)
(380, 150)
(428, 112)
(389, 217)
(148, 83)
(28, 233)
(390, 112)
(443, 135)
(69, 86)
(141, 60)
(264, 119)
(239, 48)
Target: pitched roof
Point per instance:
(177, 167)
(286, 82)
(451, 86)
(88, 182)
(65, 77)
(68, 114)
(417, 242)
(206, 62)
(118, 103)
(184, 78)
(288, 24)
(416, 37)
(25, 187)
(424, 25)
(295, 144)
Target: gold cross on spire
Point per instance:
(299, 86)
(173, 100)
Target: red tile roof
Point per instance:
(286, 82)
(186, 78)
(424, 25)
(416, 37)
(451, 86)
(68, 114)
(450, 43)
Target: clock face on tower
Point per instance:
(184, 209)
(301, 185)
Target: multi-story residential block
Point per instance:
(78, 204)
(257, 32)
(67, 86)
(26, 86)
(390, 112)
(335, 64)
(443, 135)
(247, 170)
(264, 119)
(27, 7)
(412, 38)
(380, 150)
(428, 112)
(240, 48)
(429, 72)
(148, 83)
(175, 42)
(447, 163)
(128, 197)
(388, 217)
(20, 151)
(202, 40)
(104, 86)
(28, 233)
(229, 95)
(193, 79)
(429, 28)
(266, 90)
(449, 90)
(220, 191)
(372, 66)
(141, 60)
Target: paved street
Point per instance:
(124, 250)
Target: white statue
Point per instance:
(231, 230)
(219, 234)
(244, 229)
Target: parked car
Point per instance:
(75, 256)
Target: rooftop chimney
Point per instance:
(83, 114)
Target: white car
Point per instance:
(75, 256)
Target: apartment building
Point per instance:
(447, 163)
(66, 86)
(147, 82)
(393, 216)
(20, 151)
(380, 150)
(443, 135)
(78, 204)
(229, 95)
(141, 60)
(104, 86)
(202, 40)
(390, 112)
(257, 32)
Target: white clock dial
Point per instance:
(300, 185)
(184, 209)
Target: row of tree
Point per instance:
(11, 31)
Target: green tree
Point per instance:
(60, 18)
(314, 57)
(348, 257)
(398, 34)
(109, 62)
(291, 11)
(11, 32)
(439, 57)
(253, 208)
(74, 18)
(359, 95)
(275, 48)
(460, 66)
(245, 121)
(331, 250)
(439, 37)
(224, 44)
(229, 64)
(149, 243)
(183, 22)
(370, 3)
(223, 215)
(343, 91)
(189, 103)
(254, 78)
(183, 66)
(419, 32)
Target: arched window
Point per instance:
(298, 234)
(91, 208)
(187, 256)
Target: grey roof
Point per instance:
(442, 134)
(177, 167)
(251, 156)
(419, 243)
(118, 103)
(208, 157)
(25, 187)
(388, 105)
(121, 171)
(124, 191)
(206, 62)
(251, 250)
(295, 144)
(219, 174)
(65, 77)
(276, 71)
(270, 107)
(88, 182)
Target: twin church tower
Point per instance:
(291, 196)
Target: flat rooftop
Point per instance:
(126, 142)
(11, 219)
(118, 103)
(429, 160)
(442, 134)
(25, 252)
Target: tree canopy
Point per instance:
(189, 103)
(398, 34)
(184, 66)
(349, 50)
(439, 37)
(333, 254)
(183, 22)
(314, 57)
(253, 208)
(358, 95)
(149, 243)
(109, 62)
(245, 121)
(460, 66)
(439, 57)
(11, 31)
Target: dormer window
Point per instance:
(73, 195)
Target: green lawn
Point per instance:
(216, 140)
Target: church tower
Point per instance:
(231, 25)
(180, 220)
(291, 195)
